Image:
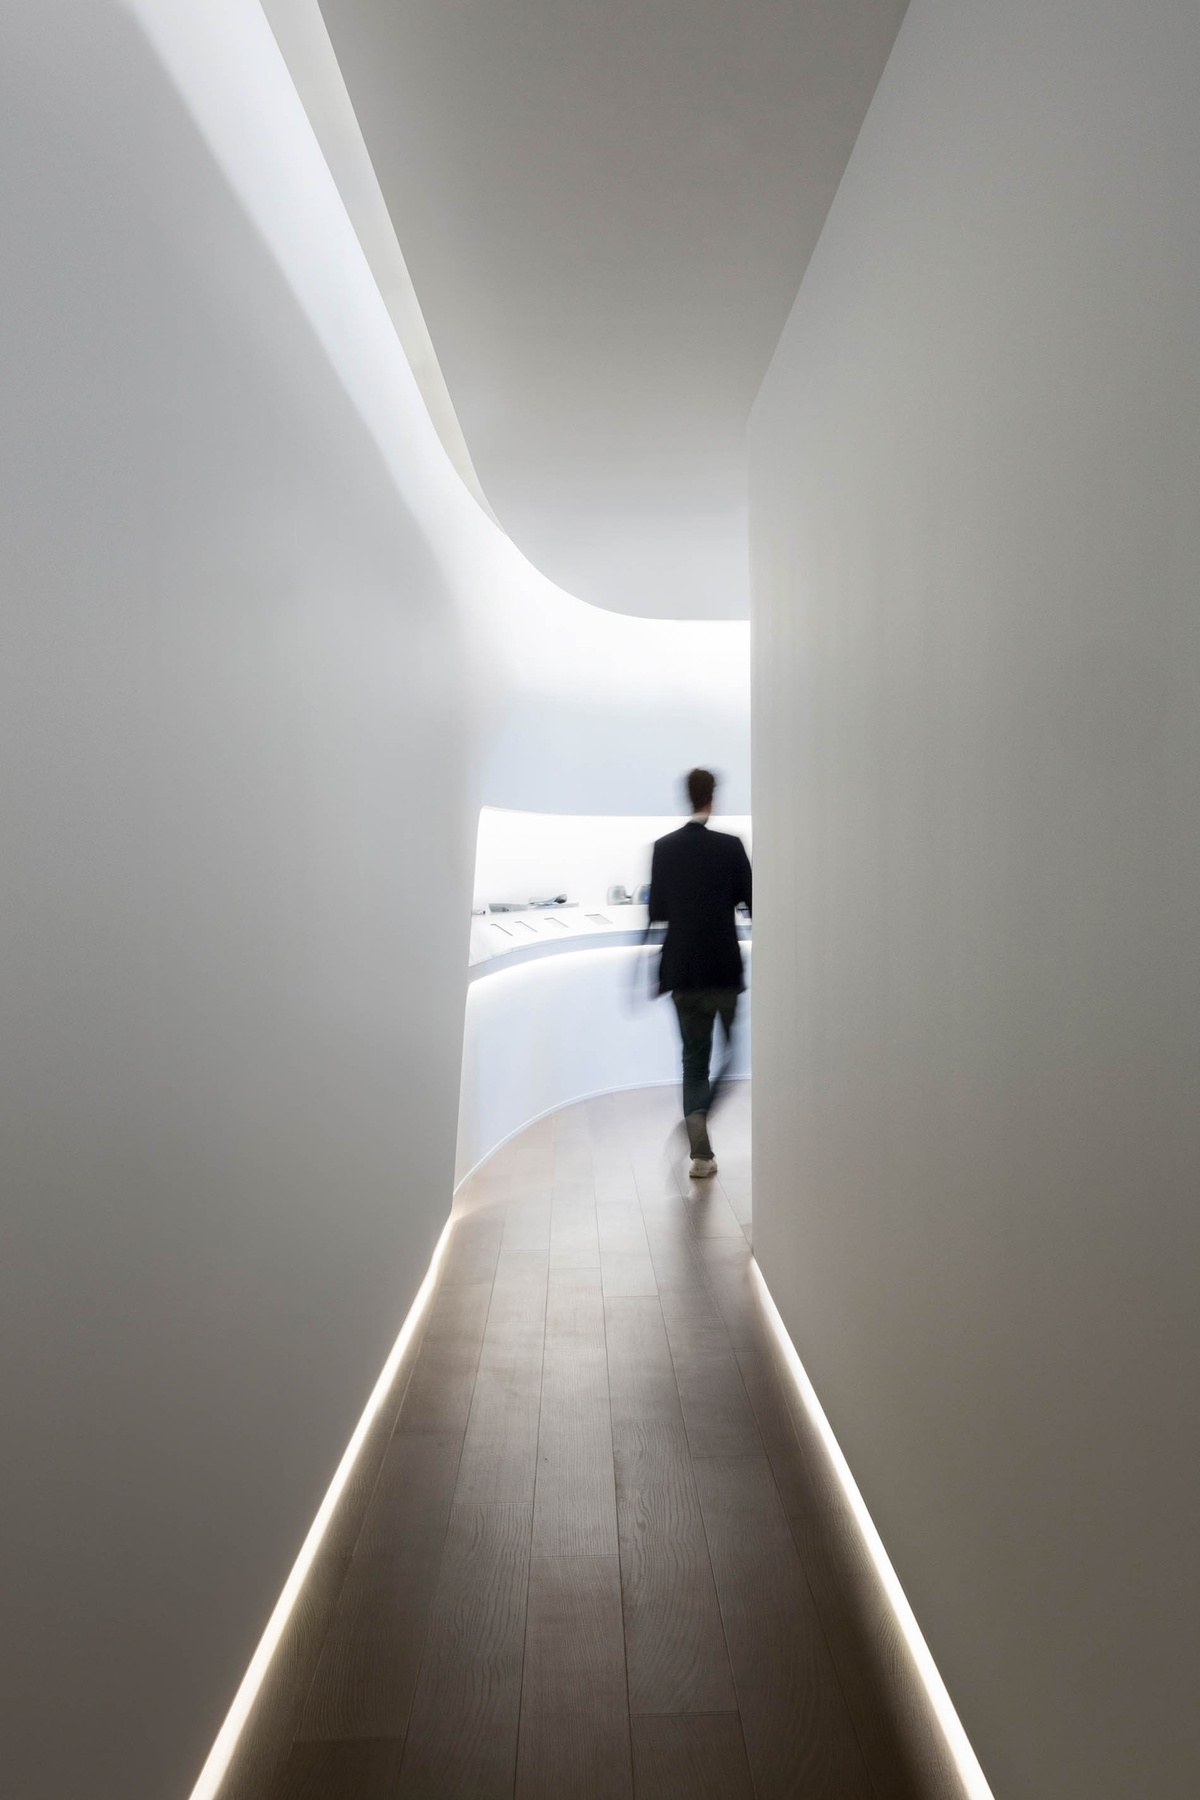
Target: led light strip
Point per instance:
(974, 1782)
(219, 1757)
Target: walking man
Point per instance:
(697, 878)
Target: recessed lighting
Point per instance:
(219, 1757)
(974, 1782)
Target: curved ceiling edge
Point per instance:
(299, 30)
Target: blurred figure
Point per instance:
(697, 878)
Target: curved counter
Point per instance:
(549, 1022)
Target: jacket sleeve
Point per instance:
(658, 909)
(742, 878)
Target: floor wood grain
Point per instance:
(675, 1643)
(366, 1769)
(462, 1737)
(690, 1756)
(574, 1712)
(596, 1550)
(800, 1738)
(367, 1674)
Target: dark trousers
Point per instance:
(698, 1010)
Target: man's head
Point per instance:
(701, 786)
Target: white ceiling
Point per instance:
(606, 207)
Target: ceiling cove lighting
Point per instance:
(974, 1782)
(219, 1757)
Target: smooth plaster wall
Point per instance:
(261, 658)
(228, 1072)
(976, 554)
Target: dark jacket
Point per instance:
(697, 877)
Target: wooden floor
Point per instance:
(603, 1557)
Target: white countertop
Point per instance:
(501, 940)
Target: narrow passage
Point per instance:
(602, 1558)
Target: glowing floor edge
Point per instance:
(220, 1756)
(208, 1785)
(974, 1782)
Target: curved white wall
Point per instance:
(228, 1078)
(544, 1033)
(977, 1160)
(262, 657)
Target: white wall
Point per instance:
(245, 599)
(976, 556)
(228, 1081)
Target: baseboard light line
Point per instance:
(208, 1785)
(974, 1782)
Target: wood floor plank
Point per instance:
(613, 1182)
(693, 1319)
(471, 1253)
(262, 1750)
(458, 1313)
(799, 1736)
(573, 1240)
(622, 1227)
(499, 1458)
(625, 1260)
(727, 1270)
(462, 1737)
(366, 1769)
(901, 1743)
(597, 1550)
(575, 1510)
(639, 1356)
(656, 1179)
(575, 1308)
(574, 1715)
(627, 1272)
(575, 1505)
(690, 1756)
(710, 1213)
(438, 1396)
(675, 1643)
(527, 1221)
(367, 1674)
(675, 1262)
(716, 1409)
(767, 1389)
(346, 1523)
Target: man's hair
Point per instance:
(701, 785)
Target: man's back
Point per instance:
(697, 878)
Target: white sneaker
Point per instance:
(702, 1166)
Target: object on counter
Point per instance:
(618, 896)
(643, 894)
(552, 900)
(503, 906)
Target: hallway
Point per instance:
(603, 1556)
